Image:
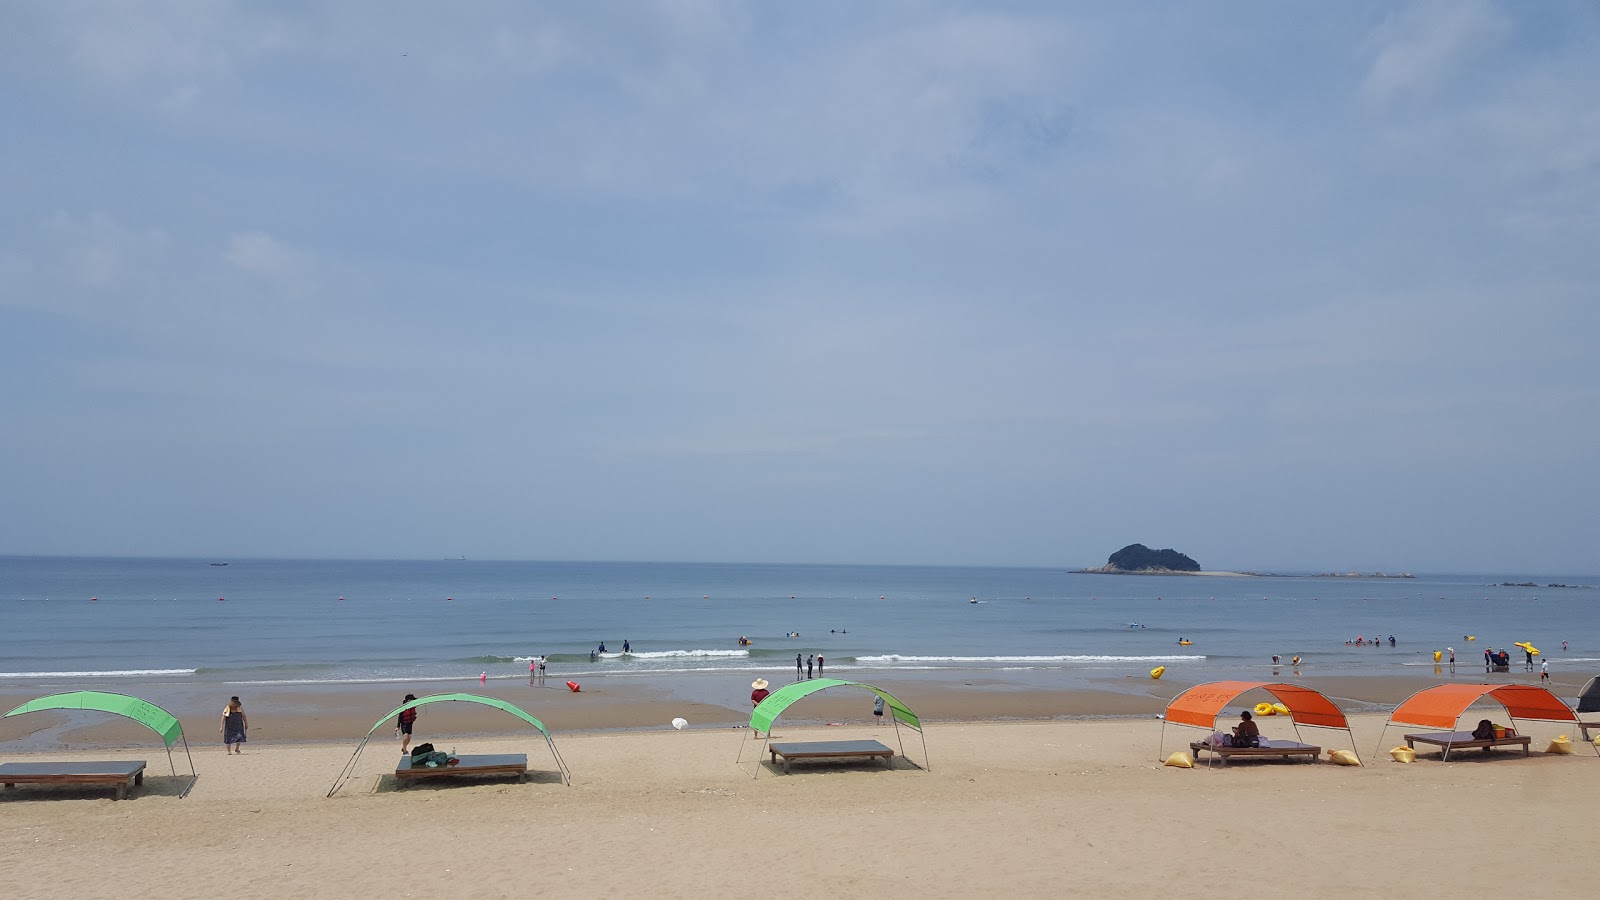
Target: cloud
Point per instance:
(1420, 48)
(261, 254)
(97, 252)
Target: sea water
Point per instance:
(113, 623)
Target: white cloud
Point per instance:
(97, 252)
(1419, 49)
(261, 254)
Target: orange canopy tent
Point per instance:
(1442, 706)
(1200, 706)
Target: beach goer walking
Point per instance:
(234, 726)
(758, 691)
(1544, 670)
(810, 661)
(877, 709)
(798, 665)
(1530, 658)
(819, 665)
(543, 660)
(406, 721)
(483, 677)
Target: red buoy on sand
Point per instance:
(574, 687)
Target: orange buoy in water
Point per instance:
(574, 687)
(222, 599)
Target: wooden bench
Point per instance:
(1267, 750)
(1585, 726)
(481, 764)
(122, 774)
(1463, 740)
(828, 750)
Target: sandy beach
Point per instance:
(1034, 808)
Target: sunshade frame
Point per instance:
(504, 705)
(769, 709)
(1503, 694)
(1211, 698)
(136, 708)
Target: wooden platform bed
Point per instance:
(482, 764)
(123, 775)
(1267, 750)
(828, 750)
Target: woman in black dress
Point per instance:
(234, 725)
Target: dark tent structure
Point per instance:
(1589, 697)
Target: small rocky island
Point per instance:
(1137, 559)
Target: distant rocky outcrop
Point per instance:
(1141, 559)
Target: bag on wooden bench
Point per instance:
(421, 749)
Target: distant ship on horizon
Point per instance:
(219, 564)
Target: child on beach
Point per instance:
(1544, 670)
(405, 722)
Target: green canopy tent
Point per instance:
(144, 712)
(349, 767)
(768, 711)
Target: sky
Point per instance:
(1284, 286)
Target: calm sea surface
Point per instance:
(113, 623)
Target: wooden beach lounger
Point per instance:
(1268, 749)
(828, 750)
(124, 774)
(483, 764)
(1585, 726)
(1462, 740)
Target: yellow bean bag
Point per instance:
(1403, 755)
(1343, 758)
(1560, 745)
(1180, 760)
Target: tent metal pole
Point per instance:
(339, 782)
(193, 776)
(170, 764)
(898, 738)
(925, 760)
(1162, 747)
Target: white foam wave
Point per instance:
(678, 654)
(119, 673)
(897, 658)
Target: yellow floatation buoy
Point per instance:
(1157, 672)
(1343, 758)
(1278, 709)
(1265, 709)
(1437, 656)
(1185, 643)
(1180, 760)
(1562, 744)
(1403, 755)
(1472, 637)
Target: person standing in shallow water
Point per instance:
(798, 665)
(810, 661)
(819, 665)
(234, 726)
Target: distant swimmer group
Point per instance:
(1184, 642)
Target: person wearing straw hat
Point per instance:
(759, 692)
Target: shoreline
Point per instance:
(616, 704)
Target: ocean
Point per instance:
(114, 623)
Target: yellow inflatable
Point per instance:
(1437, 656)
(1343, 758)
(1278, 709)
(1472, 637)
(1180, 760)
(1157, 672)
(1403, 755)
(1185, 643)
(1265, 709)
